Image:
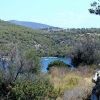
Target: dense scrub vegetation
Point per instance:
(38, 88)
(86, 52)
(46, 43)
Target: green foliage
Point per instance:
(57, 64)
(40, 89)
(43, 42)
(36, 88)
(32, 60)
(95, 8)
(85, 52)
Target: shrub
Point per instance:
(85, 52)
(65, 83)
(57, 64)
(40, 89)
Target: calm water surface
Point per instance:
(45, 61)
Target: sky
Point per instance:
(59, 13)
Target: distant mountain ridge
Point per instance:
(32, 25)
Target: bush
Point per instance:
(85, 52)
(40, 89)
(57, 64)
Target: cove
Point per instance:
(45, 61)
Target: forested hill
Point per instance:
(25, 37)
(44, 42)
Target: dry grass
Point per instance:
(80, 92)
(72, 85)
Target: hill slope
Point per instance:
(32, 25)
(44, 42)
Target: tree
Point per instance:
(95, 8)
(85, 52)
(31, 61)
(20, 63)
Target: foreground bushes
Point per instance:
(65, 82)
(74, 84)
(38, 89)
(70, 85)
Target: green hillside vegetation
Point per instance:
(46, 43)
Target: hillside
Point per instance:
(44, 42)
(32, 25)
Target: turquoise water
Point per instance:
(45, 61)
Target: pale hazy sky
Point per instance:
(61, 13)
